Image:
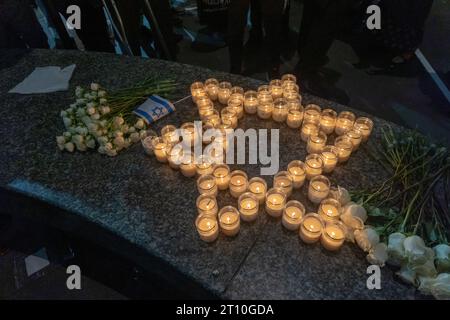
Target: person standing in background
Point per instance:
(19, 27)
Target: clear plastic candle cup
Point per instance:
(297, 171)
(203, 165)
(328, 121)
(206, 184)
(160, 149)
(189, 134)
(295, 115)
(288, 79)
(365, 126)
(207, 205)
(251, 102)
(248, 206)
(276, 89)
(170, 134)
(212, 88)
(344, 147)
(293, 214)
(237, 105)
(229, 116)
(311, 228)
(313, 165)
(333, 236)
(147, 141)
(330, 210)
(222, 174)
(264, 94)
(238, 183)
(207, 227)
(307, 129)
(283, 181)
(275, 202)
(197, 89)
(229, 220)
(329, 157)
(355, 137)
(258, 187)
(319, 188)
(344, 122)
(312, 114)
(280, 110)
(265, 110)
(187, 165)
(224, 92)
(316, 142)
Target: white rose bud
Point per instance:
(367, 238)
(90, 143)
(95, 86)
(118, 133)
(92, 127)
(438, 287)
(111, 152)
(91, 110)
(87, 97)
(396, 250)
(103, 123)
(134, 137)
(416, 251)
(95, 116)
(81, 146)
(378, 255)
(139, 124)
(91, 105)
(77, 139)
(69, 146)
(67, 135)
(357, 211)
(102, 93)
(60, 140)
(118, 121)
(79, 91)
(102, 140)
(81, 102)
(63, 113)
(101, 150)
(407, 275)
(105, 110)
(142, 134)
(131, 129)
(442, 257)
(67, 122)
(127, 143)
(81, 112)
(119, 141)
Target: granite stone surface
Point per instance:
(153, 207)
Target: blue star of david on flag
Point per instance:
(154, 108)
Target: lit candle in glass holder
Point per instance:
(319, 188)
(207, 133)
(264, 94)
(288, 79)
(295, 115)
(275, 202)
(248, 206)
(213, 118)
(189, 134)
(197, 89)
(207, 205)
(312, 114)
(276, 89)
(170, 134)
(297, 171)
(222, 174)
(313, 165)
(251, 102)
(330, 158)
(238, 183)
(174, 156)
(237, 105)
(207, 227)
(203, 165)
(224, 92)
(212, 88)
(328, 121)
(205, 109)
(187, 165)
(308, 129)
(330, 210)
(283, 181)
(344, 122)
(316, 142)
(202, 100)
(229, 221)
(160, 148)
(355, 137)
(280, 110)
(258, 187)
(206, 184)
(229, 116)
(344, 147)
(333, 236)
(237, 93)
(293, 215)
(365, 126)
(311, 228)
(217, 153)
(265, 110)
(289, 88)
(147, 141)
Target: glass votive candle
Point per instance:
(147, 142)
(258, 187)
(212, 88)
(344, 122)
(283, 180)
(222, 174)
(295, 115)
(224, 92)
(160, 149)
(291, 94)
(288, 79)
(344, 148)
(202, 100)
(316, 142)
(229, 221)
(189, 134)
(170, 134)
(328, 121)
(265, 110)
(330, 210)
(203, 165)
(297, 171)
(206, 184)
(237, 93)
(251, 102)
(319, 188)
(333, 236)
(264, 94)
(311, 228)
(276, 89)
(238, 183)
(330, 158)
(206, 110)
(213, 118)
(187, 165)
(207, 227)
(355, 137)
(229, 116)
(174, 156)
(275, 202)
(280, 110)
(237, 105)
(248, 206)
(197, 89)
(312, 114)
(313, 165)
(207, 205)
(307, 129)
(293, 214)
(365, 126)
(207, 133)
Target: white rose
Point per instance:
(67, 135)
(69, 146)
(132, 129)
(357, 211)
(90, 143)
(67, 122)
(125, 128)
(366, 239)
(139, 124)
(87, 97)
(134, 137)
(91, 110)
(63, 113)
(119, 141)
(416, 251)
(101, 150)
(407, 275)
(60, 140)
(127, 143)
(396, 249)
(102, 93)
(341, 195)
(95, 116)
(72, 130)
(442, 257)
(105, 110)
(118, 121)
(92, 127)
(103, 123)
(81, 112)
(439, 286)
(81, 146)
(81, 102)
(142, 134)
(426, 269)
(86, 120)
(111, 152)
(378, 254)
(95, 86)
(77, 139)
(91, 105)
(102, 140)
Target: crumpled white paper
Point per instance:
(45, 80)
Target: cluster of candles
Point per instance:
(281, 101)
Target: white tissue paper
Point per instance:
(45, 80)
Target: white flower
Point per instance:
(341, 195)
(396, 249)
(134, 137)
(92, 127)
(95, 116)
(366, 239)
(69, 146)
(95, 86)
(81, 112)
(91, 105)
(105, 110)
(102, 140)
(91, 110)
(81, 146)
(77, 139)
(72, 130)
(118, 133)
(118, 121)
(378, 254)
(90, 143)
(142, 134)
(88, 96)
(407, 275)
(67, 135)
(127, 143)
(426, 269)
(357, 211)
(101, 150)
(124, 128)
(416, 251)
(63, 114)
(103, 123)
(60, 140)
(439, 286)
(132, 129)
(82, 130)
(67, 122)
(442, 257)
(119, 141)
(81, 102)
(86, 120)
(139, 124)
(79, 92)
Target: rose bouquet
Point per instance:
(105, 120)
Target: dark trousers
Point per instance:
(271, 16)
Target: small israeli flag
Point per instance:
(154, 108)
